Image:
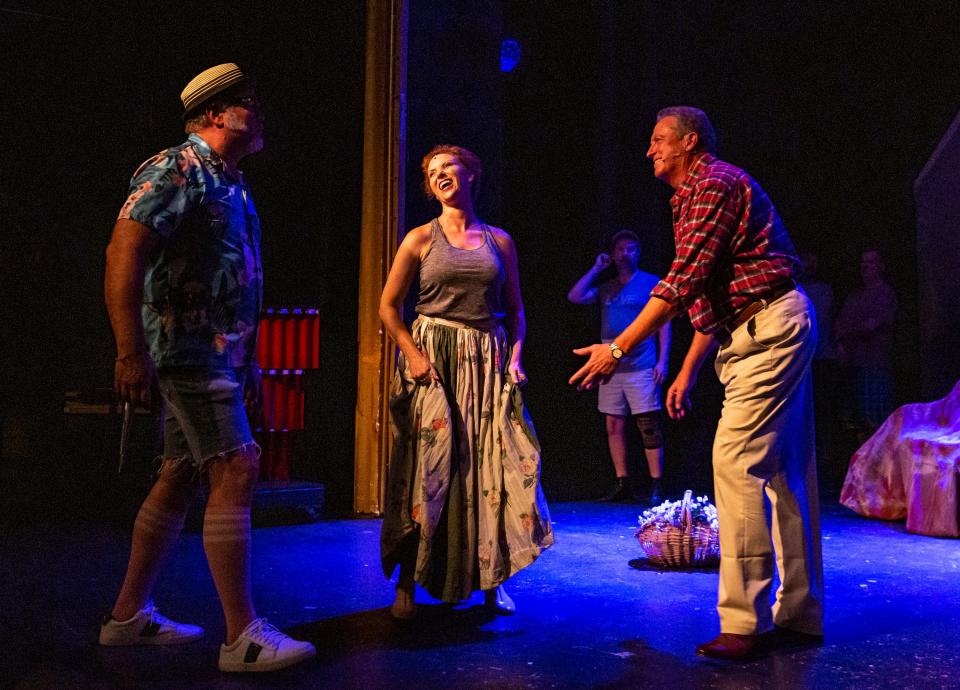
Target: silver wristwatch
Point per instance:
(616, 351)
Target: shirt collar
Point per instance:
(700, 161)
(205, 151)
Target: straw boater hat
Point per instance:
(208, 84)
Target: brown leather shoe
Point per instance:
(736, 647)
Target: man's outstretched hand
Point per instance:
(598, 368)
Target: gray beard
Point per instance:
(235, 124)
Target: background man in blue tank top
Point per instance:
(634, 389)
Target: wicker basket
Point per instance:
(689, 545)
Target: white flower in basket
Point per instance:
(680, 532)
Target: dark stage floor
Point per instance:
(591, 614)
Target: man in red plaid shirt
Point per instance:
(734, 276)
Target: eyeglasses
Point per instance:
(248, 102)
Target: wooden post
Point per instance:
(382, 215)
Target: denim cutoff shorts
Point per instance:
(205, 417)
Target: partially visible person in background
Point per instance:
(864, 336)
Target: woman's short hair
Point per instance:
(467, 158)
(691, 119)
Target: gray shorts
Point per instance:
(629, 393)
(205, 417)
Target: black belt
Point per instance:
(758, 305)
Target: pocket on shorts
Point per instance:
(191, 392)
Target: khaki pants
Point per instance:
(765, 476)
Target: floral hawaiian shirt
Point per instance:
(204, 286)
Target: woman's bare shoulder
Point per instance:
(502, 238)
(417, 238)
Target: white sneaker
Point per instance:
(147, 627)
(261, 647)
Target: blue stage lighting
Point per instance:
(509, 54)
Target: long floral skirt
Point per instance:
(464, 502)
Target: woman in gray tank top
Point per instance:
(464, 508)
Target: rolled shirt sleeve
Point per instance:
(703, 239)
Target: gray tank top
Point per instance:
(464, 285)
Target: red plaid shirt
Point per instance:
(731, 246)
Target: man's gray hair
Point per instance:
(691, 119)
(196, 123)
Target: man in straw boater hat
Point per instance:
(183, 290)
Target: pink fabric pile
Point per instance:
(909, 468)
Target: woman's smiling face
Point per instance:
(448, 177)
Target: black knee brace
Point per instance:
(650, 432)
